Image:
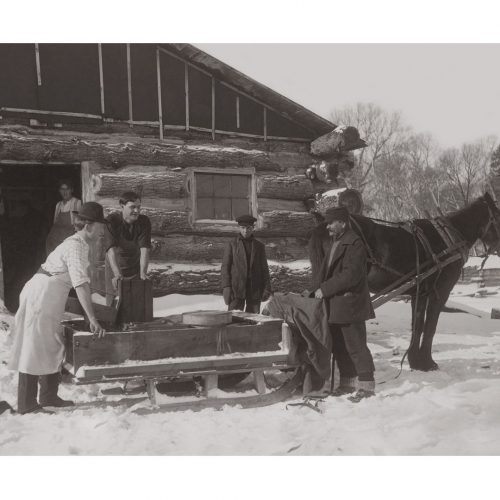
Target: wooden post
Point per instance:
(259, 381)
(2, 291)
(158, 76)
(186, 92)
(265, 123)
(150, 387)
(211, 384)
(38, 68)
(213, 109)
(129, 84)
(101, 77)
(237, 111)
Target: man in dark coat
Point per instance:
(245, 273)
(343, 284)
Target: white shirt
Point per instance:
(72, 257)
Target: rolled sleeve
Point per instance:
(77, 261)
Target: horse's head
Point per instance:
(491, 230)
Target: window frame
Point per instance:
(223, 224)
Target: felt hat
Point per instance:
(91, 211)
(246, 220)
(337, 213)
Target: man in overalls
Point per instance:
(128, 242)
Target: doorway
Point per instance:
(28, 196)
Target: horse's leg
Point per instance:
(437, 300)
(417, 327)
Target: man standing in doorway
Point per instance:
(128, 244)
(343, 284)
(245, 273)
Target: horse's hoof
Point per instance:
(430, 367)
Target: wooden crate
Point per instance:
(170, 339)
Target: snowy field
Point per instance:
(453, 411)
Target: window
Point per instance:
(222, 196)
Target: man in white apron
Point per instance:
(63, 216)
(38, 346)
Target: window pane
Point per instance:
(222, 208)
(241, 206)
(204, 185)
(239, 186)
(222, 185)
(205, 208)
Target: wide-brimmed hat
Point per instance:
(337, 213)
(91, 211)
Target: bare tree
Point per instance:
(383, 131)
(466, 170)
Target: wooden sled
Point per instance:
(166, 350)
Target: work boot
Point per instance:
(366, 389)
(347, 386)
(49, 385)
(27, 390)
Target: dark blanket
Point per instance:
(308, 320)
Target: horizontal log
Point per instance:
(271, 224)
(164, 185)
(163, 222)
(291, 187)
(269, 205)
(192, 248)
(115, 151)
(285, 223)
(206, 279)
(169, 204)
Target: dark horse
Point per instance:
(394, 250)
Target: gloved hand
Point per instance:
(227, 293)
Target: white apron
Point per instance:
(38, 345)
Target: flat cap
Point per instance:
(337, 213)
(246, 220)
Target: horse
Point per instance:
(398, 249)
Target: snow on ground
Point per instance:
(451, 411)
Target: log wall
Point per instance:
(160, 172)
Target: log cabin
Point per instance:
(199, 141)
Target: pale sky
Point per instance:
(449, 90)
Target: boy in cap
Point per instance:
(245, 273)
(343, 284)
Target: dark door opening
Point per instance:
(28, 196)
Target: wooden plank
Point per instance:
(175, 367)
(129, 87)
(259, 381)
(151, 389)
(38, 67)
(2, 290)
(237, 111)
(211, 385)
(140, 345)
(213, 109)
(265, 123)
(186, 92)
(48, 113)
(158, 77)
(101, 77)
(271, 204)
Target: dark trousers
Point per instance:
(351, 352)
(27, 390)
(252, 306)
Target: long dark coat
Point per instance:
(344, 283)
(234, 271)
